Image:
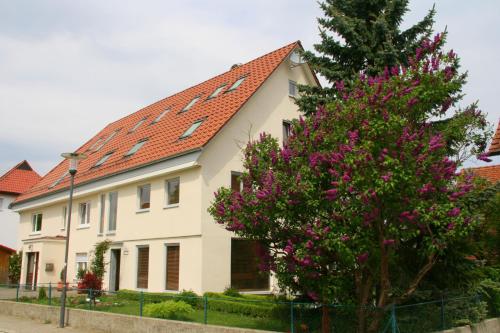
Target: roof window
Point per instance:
(103, 159)
(136, 147)
(237, 83)
(136, 126)
(160, 116)
(190, 105)
(217, 91)
(192, 128)
(97, 148)
(59, 180)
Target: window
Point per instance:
(237, 84)
(102, 203)
(59, 180)
(36, 223)
(172, 189)
(81, 262)
(103, 159)
(157, 119)
(1, 204)
(113, 209)
(136, 147)
(190, 104)
(292, 88)
(64, 217)
(142, 267)
(111, 136)
(191, 129)
(245, 272)
(84, 213)
(136, 126)
(287, 131)
(236, 184)
(172, 269)
(94, 146)
(144, 194)
(217, 91)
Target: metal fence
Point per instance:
(256, 312)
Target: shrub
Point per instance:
(91, 281)
(15, 267)
(132, 295)
(42, 293)
(232, 292)
(168, 310)
(189, 297)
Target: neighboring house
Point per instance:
(5, 253)
(495, 143)
(490, 173)
(12, 183)
(150, 177)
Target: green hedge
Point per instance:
(188, 297)
(168, 310)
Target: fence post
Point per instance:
(141, 303)
(50, 293)
(205, 309)
(393, 319)
(292, 319)
(90, 298)
(17, 293)
(443, 324)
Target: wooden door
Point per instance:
(172, 267)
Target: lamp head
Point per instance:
(73, 160)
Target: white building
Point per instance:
(14, 182)
(150, 178)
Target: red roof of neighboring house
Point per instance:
(164, 136)
(7, 249)
(19, 179)
(491, 173)
(495, 143)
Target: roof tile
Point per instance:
(19, 179)
(495, 143)
(491, 173)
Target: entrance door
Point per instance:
(32, 270)
(114, 276)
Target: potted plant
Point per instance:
(60, 283)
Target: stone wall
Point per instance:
(109, 322)
(486, 326)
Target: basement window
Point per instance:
(191, 129)
(136, 147)
(190, 104)
(237, 84)
(217, 91)
(103, 159)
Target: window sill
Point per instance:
(112, 233)
(256, 292)
(62, 229)
(100, 234)
(140, 211)
(293, 97)
(171, 291)
(36, 233)
(83, 226)
(171, 206)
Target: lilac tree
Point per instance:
(362, 180)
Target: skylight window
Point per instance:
(136, 126)
(136, 147)
(59, 180)
(190, 105)
(237, 84)
(107, 140)
(160, 116)
(217, 91)
(103, 159)
(95, 145)
(191, 129)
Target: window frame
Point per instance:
(292, 83)
(102, 213)
(78, 256)
(140, 188)
(112, 213)
(236, 174)
(103, 159)
(236, 84)
(165, 266)
(192, 128)
(64, 217)
(217, 91)
(86, 218)
(132, 151)
(111, 136)
(34, 230)
(167, 192)
(138, 248)
(160, 116)
(191, 103)
(137, 125)
(286, 127)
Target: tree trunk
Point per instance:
(325, 320)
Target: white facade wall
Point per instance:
(205, 247)
(9, 222)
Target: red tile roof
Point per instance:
(163, 137)
(7, 249)
(491, 173)
(19, 179)
(495, 143)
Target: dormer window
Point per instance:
(192, 128)
(103, 159)
(190, 104)
(136, 126)
(217, 91)
(160, 116)
(136, 147)
(237, 84)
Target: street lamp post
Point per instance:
(73, 163)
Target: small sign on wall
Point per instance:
(49, 267)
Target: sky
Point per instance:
(68, 68)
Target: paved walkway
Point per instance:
(19, 325)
